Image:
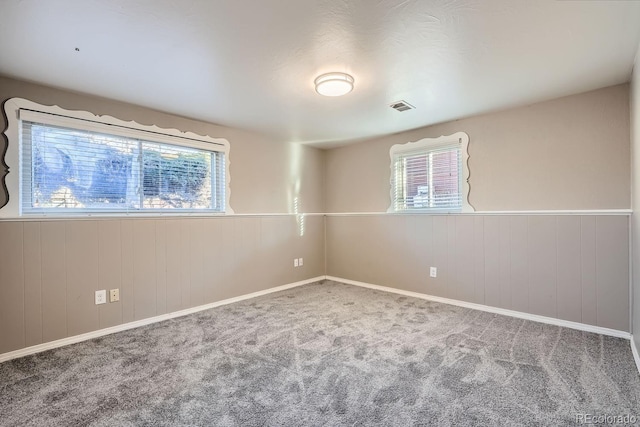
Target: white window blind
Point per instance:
(66, 169)
(430, 175)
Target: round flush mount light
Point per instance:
(334, 84)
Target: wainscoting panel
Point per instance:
(110, 271)
(32, 284)
(54, 280)
(12, 332)
(612, 270)
(50, 270)
(81, 269)
(570, 267)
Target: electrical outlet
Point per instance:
(114, 295)
(433, 272)
(300, 262)
(295, 262)
(101, 297)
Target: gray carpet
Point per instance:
(326, 354)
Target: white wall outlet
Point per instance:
(300, 262)
(433, 272)
(295, 262)
(101, 297)
(114, 295)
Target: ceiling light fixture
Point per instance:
(334, 84)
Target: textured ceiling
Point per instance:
(251, 63)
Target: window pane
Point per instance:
(430, 180)
(79, 169)
(176, 177)
(431, 175)
(445, 180)
(418, 180)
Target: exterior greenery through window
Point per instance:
(430, 175)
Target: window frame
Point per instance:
(426, 146)
(18, 109)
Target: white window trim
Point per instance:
(429, 144)
(18, 108)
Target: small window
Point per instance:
(431, 175)
(70, 165)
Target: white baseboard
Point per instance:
(512, 313)
(634, 350)
(102, 332)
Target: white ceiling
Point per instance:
(251, 63)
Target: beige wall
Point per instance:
(568, 267)
(49, 270)
(635, 185)
(548, 156)
(571, 153)
(266, 175)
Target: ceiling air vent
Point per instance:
(402, 106)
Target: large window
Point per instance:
(430, 175)
(71, 165)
